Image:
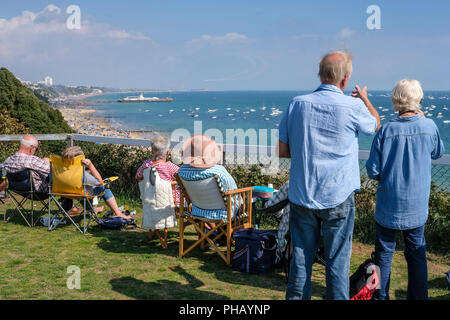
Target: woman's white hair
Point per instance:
(407, 95)
(160, 145)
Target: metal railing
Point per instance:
(239, 155)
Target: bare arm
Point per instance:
(283, 150)
(362, 94)
(90, 166)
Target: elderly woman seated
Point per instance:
(166, 169)
(201, 156)
(400, 159)
(94, 180)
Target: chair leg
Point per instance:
(181, 236)
(228, 244)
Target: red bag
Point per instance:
(365, 281)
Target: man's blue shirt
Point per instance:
(322, 131)
(400, 159)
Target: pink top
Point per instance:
(166, 171)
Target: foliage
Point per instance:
(117, 160)
(23, 105)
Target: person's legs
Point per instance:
(110, 201)
(337, 232)
(415, 254)
(304, 228)
(384, 249)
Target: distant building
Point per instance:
(48, 81)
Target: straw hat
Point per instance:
(200, 151)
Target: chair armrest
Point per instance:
(235, 191)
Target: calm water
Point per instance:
(241, 109)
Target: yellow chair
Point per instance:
(208, 194)
(67, 182)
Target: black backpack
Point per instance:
(365, 281)
(116, 223)
(254, 250)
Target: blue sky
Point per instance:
(224, 45)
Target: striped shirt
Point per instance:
(39, 168)
(189, 173)
(166, 171)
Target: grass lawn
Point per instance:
(127, 265)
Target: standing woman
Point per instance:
(400, 159)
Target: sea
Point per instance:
(245, 110)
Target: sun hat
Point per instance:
(200, 151)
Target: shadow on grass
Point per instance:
(133, 241)
(13, 216)
(164, 289)
(137, 242)
(440, 284)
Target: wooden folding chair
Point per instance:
(208, 194)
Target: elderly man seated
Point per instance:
(24, 159)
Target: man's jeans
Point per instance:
(415, 254)
(336, 225)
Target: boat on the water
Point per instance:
(141, 98)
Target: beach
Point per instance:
(84, 121)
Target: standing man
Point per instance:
(319, 132)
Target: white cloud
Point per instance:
(122, 34)
(231, 37)
(29, 32)
(305, 36)
(346, 33)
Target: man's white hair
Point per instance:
(407, 95)
(28, 141)
(334, 70)
(160, 145)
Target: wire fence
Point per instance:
(271, 165)
(235, 155)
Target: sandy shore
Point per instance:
(84, 121)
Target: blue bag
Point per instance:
(116, 223)
(254, 250)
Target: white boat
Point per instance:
(141, 98)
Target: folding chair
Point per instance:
(66, 180)
(208, 194)
(20, 184)
(3, 194)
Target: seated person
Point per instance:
(24, 158)
(166, 169)
(3, 181)
(201, 156)
(93, 178)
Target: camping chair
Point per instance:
(3, 194)
(287, 253)
(21, 184)
(208, 194)
(67, 181)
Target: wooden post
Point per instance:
(69, 140)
